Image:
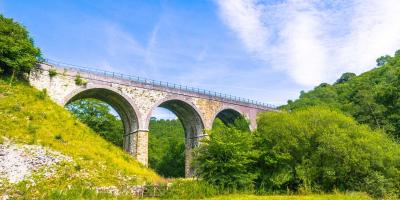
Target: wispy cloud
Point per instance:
(314, 41)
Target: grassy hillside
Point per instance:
(28, 116)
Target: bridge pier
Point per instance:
(136, 144)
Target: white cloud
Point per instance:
(314, 41)
(244, 18)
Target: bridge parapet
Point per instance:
(134, 80)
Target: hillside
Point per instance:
(29, 119)
(372, 97)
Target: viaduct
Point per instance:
(135, 98)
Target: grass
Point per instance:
(28, 116)
(349, 196)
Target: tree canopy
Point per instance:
(371, 98)
(18, 54)
(167, 147)
(225, 158)
(319, 149)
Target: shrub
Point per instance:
(42, 94)
(58, 137)
(321, 149)
(79, 81)
(18, 55)
(52, 73)
(224, 158)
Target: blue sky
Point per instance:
(264, 50)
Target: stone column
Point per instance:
(188, 158)
(190, 144)
(136, 144)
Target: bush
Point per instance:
(18, 55)
(79, 81)
(52, 73)
(224, 159)
(320, 150)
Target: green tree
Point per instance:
(318, 149)
(172, 162)
(225, 158)
(18, 55)
(345, 77)
(167, 147)
(371, 98)
(97, 115)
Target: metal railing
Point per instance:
(223, 97)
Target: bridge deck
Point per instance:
(162, 84)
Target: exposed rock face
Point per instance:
(19, 161)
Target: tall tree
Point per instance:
(18, 55)
(167, 147)
(225, 158)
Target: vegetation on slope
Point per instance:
(28, 116)
(97, 115)
(309, 150)
(18, 55)
(166, 137)
(371, 98)
(167, 147)
(317, 149)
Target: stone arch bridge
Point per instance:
(135, 98)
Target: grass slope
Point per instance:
(28, 116)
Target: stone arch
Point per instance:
(228, 115)
(191, 120)
(125, 108)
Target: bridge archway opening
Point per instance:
(230, 116)
(191, 129)
(118, 106)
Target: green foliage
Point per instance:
(96, 114)
(345, 77)
(345, 196)
(320, 150)
(371, 98)
(224, 159)
(166, 137)
(18, 55)
(172, 163)
(58, 137)
(52, 73)
(167, 147)
(187, 189)
(42, 94)
(80, 81)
